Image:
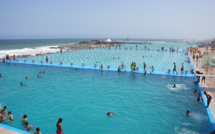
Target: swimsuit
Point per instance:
(59, 132)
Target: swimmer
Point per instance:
(10, 116)
(188, 113)
(59, 126)
(195, 91)
(164, 77)
(3, 112)
(21, 84)
(110, 114)
(76, 69)
(24, 120)
(28, 128)
(40, 72)
(119, 68)
(174, 85)
(0, 75)
(39, 76)
(199, 98)
(27, 77)
(37, 131)
(44, 72)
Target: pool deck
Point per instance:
(4, 129)
(208, 86)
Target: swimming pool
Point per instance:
(111, 59)
(142, 103)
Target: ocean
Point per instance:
(32, 47)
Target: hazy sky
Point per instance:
(175, 19)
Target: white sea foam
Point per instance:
(178, 87)
(28, 51)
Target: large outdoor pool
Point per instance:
(141, 103)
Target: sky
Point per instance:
(155, 19)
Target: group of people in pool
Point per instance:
(199, 98)
(24, 120)
(60, 120)
(133, 66)
(38, 76)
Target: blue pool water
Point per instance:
(142, 103)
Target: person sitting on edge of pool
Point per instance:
(27, 77)
(188, 113)
(119, 68)
(37, 131)
(174, 85)
(110, 114)
(21, 84)
(10, 116)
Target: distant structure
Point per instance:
(108, 40)
(213, 42)
(128, 39)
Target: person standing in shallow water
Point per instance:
(174, 69)
(47, 59)
(59, 126)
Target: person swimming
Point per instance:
(28, 128)
(37, 131)
(59, 126)
(10, 116)
(0, 75)
(195, 91)
(21, 84)
(39, 76)
(27, 77)
(188, 113)
(44, 72)
(110, 114)
(3, 112)
(40, 72)
(23, 120)
(119, 68)
(199, 98)
(174, 85)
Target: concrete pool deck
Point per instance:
(209, 85)
(4, 129)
